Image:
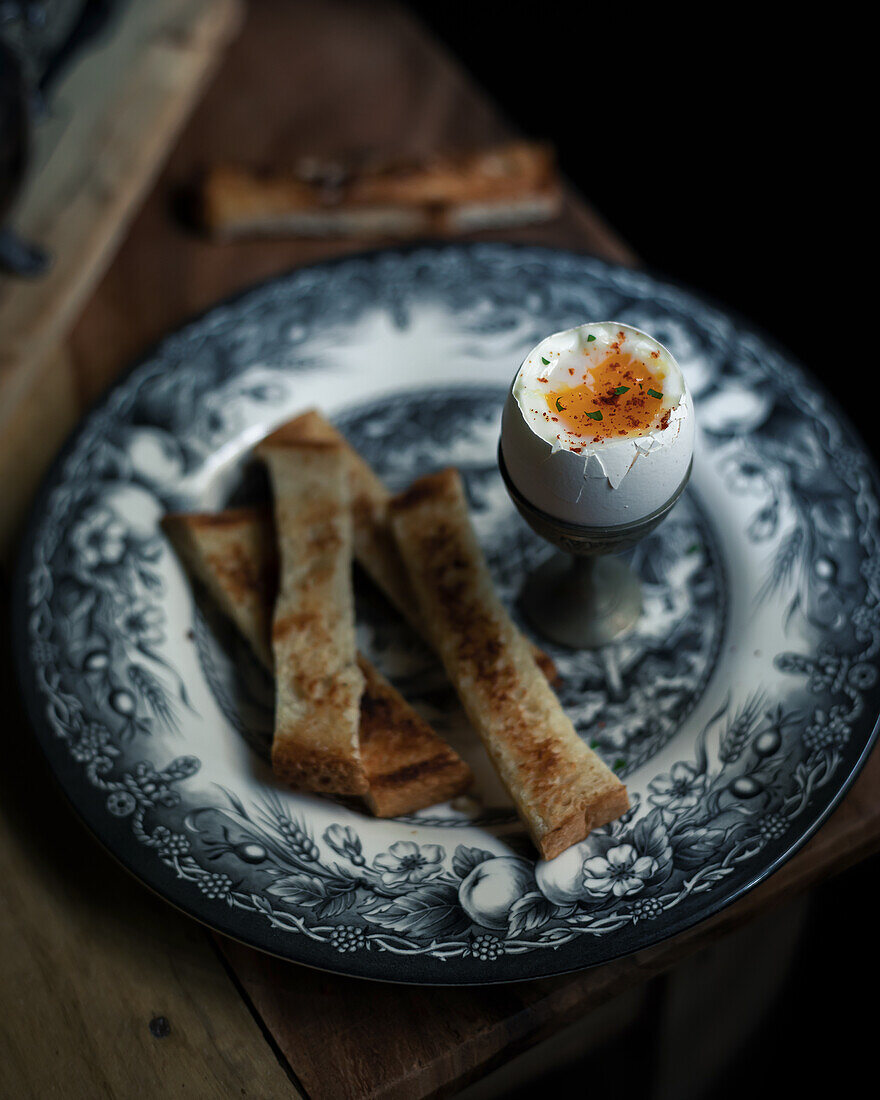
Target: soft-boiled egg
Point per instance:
(598, 427)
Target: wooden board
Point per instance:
(304, 76)
(113, 117)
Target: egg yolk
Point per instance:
(618, 397)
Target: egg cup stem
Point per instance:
(582, 602)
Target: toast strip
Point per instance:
(407, 764)
(374, 545)
(561, 789)
(450, 193)
(233, 554)
(318, 685)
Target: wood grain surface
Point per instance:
(45, 409)
(88, 956)
(113, 118)
(105, 990)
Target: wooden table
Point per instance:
(115, 112)
(105, 990)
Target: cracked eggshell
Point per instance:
(609, 484)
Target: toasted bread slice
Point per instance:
(374, 544)
(236, 202)
(233, 554)
(318, 684)
(443, 193)
(560, 787)
(407, 764)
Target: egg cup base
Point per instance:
(583, 597)
(582, 602)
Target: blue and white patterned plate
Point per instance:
(738, 712)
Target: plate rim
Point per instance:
(351, 966)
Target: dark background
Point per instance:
(728, 150)
(726, 147)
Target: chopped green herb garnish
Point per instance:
(597, 415)
(594, 744)
(693, 548)
(590, 339)
(559, 408)
(655, 393)
(619, 763)
(546, 362)
(622, 389)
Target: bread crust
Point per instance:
(317, 681)
(560, 787)
(408, 766)
(440, 193)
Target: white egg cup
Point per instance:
(582, 597)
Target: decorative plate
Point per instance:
(738, 711)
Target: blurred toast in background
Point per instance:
(437, 194)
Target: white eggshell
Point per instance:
(608, 483)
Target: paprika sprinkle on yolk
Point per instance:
(620, 396)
